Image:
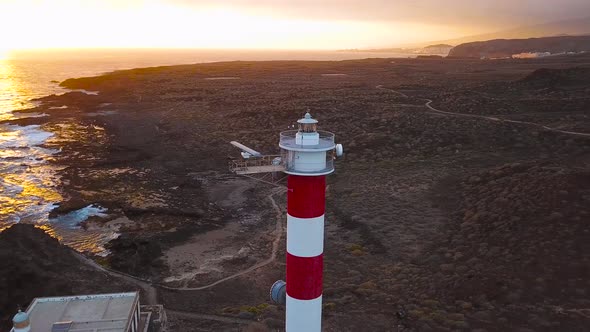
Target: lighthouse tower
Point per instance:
(308, 156)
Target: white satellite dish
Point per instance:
(246, 151)
(339, 150)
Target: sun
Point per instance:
(4, 53)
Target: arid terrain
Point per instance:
(34, 264)
(462, 202)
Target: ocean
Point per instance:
(29, 181)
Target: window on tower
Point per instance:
(307, 127)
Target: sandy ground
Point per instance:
(205, 254)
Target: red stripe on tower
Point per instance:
(306, 197)
(304, 276)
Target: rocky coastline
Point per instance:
(438, 218)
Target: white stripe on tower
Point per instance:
(304, 315)
(305, 236)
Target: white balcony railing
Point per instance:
(287, 141)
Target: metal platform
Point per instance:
(266, 164)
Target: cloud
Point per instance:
(496, 13)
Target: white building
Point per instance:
(85, 313)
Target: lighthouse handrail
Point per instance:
(328, 168)
(287, 139)
(267, 160)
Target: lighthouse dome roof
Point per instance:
(20, 317)
(307, 119)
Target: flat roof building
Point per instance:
(118, 312)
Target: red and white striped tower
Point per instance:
(308, 156)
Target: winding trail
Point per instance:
(429, 102)
(146, 285)
(150, 287)
(275, 248)
(380, 87)
(224, 319)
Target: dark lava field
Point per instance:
(462, 202)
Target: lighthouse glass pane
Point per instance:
(309, 127)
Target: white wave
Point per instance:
(22, 115)
(92, 93)
(36, 103)
(13, 136)
(63, 107)
(74, 218)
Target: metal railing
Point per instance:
(287, 139)
(329, 167)
(270, 163)
(289, 163)
(245, 164)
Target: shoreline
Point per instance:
(408, 208)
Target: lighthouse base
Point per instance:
(304, 315)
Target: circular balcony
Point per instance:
(288, 142)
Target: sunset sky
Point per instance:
(266, 24)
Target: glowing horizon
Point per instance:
(239, 24)
(155, 24)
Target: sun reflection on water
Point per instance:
(28, 180)
(13, 93)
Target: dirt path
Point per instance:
(150, 291)
(150, 288)
(488, 118)
(224, 319)
(380, 87)
(271, 259)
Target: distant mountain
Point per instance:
(502, 48)
(575, 27)
(376, 50)
(436, 49)
(439, 46)
(430, 49)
